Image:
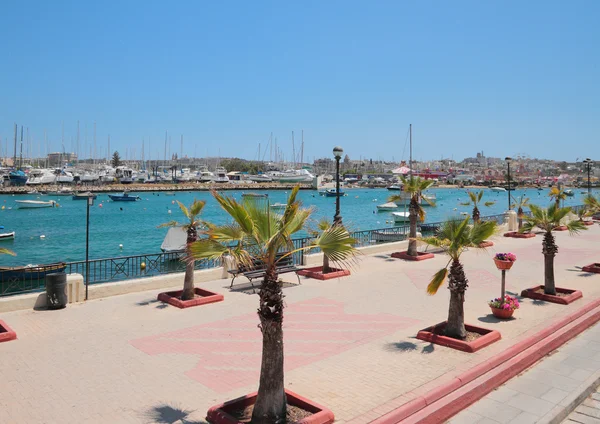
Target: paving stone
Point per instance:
(525, 418)
(531, 404)
(555, 395)
(466, 417)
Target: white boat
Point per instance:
(89, 177)
(41, 176)
(221, 175)
(498, 189)
(205, 176)
(401, 216)
(124, 175)
(278, 206)
(260, 178)
(7, 236)
(34, 204)
(293, 176)
(390, 206)
(65, 177)
(175, 240)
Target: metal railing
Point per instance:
(27, 279)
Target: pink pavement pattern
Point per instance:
(478, 278)
(230, 349)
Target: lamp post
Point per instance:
(90, 202)
(588, 164)
(337, 154)
(508, 160)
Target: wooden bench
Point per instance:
(258, 270)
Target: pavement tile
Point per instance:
(531, 404)
(555, 395)
(525, 418)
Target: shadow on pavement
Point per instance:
(161, 305)
(401, 346)
(167, 414)
(490, 318)
(386, 258)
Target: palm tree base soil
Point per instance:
(562, 297)
(561, 228)
(6, 333)
(299, 410)
(317, 273)
(486, 243)
(595, 268)
(515, 234)
(421, 256)
(202, 297)
(477, 337)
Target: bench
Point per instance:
(258, 270)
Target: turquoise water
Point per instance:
(134, 224)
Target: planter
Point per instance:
(205, 296)
(486, 243)
(588, 222)
(221, 414)
(595, 268)
(317, 273)
(6, 333)
(502, 313)
(487, 337)
(503, 265)
(561, 228)
(421, 256)
(515, 234)
(569, 296)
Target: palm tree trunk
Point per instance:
(270, 406)
(188, 279)
(457, 283)
(520, 216)
(549, 250)
(412, 215)
(326, 268)
(476, 214)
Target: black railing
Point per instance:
(26, 279)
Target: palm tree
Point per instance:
(190, 226)
(557, 194)
(549, 219)
(455, 237)
(256, 234)
(475, 201)
(323, 225)
(591, 204)
(415, 187)
(520, 203)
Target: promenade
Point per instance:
(350, 343)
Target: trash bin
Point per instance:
(56, 290)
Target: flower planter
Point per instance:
(588, 222)
(486, 243)
(205, 296)
(421, 256)
(561, 228)
(6, 333)
(502, 313)
(503, 265)
(595, 268)
(571, 295)
(515, 234)
(487, 337)
(221, 414)
(317, 273)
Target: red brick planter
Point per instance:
(421, 256)
(561, 228)
(317, 273)
(173, 298)
(486, 243)
(595, 267)
(6, 333)
(573, 295)
(487, 337)
(588, 222)
(515, 234)
(219, 414)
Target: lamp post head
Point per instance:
(337, 152)
(508, 159)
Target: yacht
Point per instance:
(293, 176)
(498, 189)
(184, 176)
(41, 176)
(64, 177)
(221, 175)
(260, 178)
(204, 175)
(89, 177)
(124, 175)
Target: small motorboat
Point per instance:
(395, 187)
(331, 192)
(7, 236)
(390, 206)
(34, 204)
(278, 206)
(30, 272)
(125, 197)
(498, 189)
(401, 216)
(255, 195)
(569, 192)
(83, 196)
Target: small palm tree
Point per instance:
(323, 225)
(190, 226)
(475, 200)
(256, 234)
(455, 237)
(520, 203)
(415, 187)
(557, 194)
(591, 204)
(549, 219)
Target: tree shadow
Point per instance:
(537, 302)
(401, 347)
(428, 349)
(386, 258)
(167, 414)
(491, 319)
(161, 305)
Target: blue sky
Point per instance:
(505, 77)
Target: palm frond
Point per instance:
(337, 244)
(184, 209)
(4, 251)
(170, 224)
(481, 231)
(488, 204)
(437, 280)
(575, 227)
(480, 195)
(197, 207)
(465, 203)
(206, 249)
(236, 211)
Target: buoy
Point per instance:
(42, 236)
(169, 211)
(143, 265)
(120, 246)
(172, 202)
(100, 205)
(3, 207)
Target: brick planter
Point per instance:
(588, 222)
(561, 228)
(486, 243)
(173, 298)
(6, 333)
(316, 272)
(219, 414)
(487, 337)
(515, 234)
(595, 268)
(572, 295)
(421, 256)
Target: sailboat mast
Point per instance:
(21, 157)
(108, 147)
(94, 157)
(410, 160)
(78, 141)
(15, 153)
(302, 150)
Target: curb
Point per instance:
(515, 359)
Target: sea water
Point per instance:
(134, 225)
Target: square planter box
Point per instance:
(220, 414)
(486, 243)
(6, 333)
(588, 222)
(515, 234)
(561, 228)
(421, 256)
(487, 337)
(173, 298)
(573, 295)
(595, 267)
(316, 272)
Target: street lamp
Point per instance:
(508, 161)
(90, 202)
(337, 154)
(588, 164)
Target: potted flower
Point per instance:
(504, 308)
(504, 261)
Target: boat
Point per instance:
(17, 177)
(395, 187)
(293, 176)
(7, 236)
(83, 196)
(64, 177)
(255, 195)
(278, 206)
(569, 192)
(204, 175)
(331, 192)
(390, 206)
(498, 189)
(401, 216)
(260, 178)
(41, 176)
(175, 240)
(34, 204)
(221, 175)
(61, 192)
(30, 272)
(124, 175)
(125, 197)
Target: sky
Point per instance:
(503, 77)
